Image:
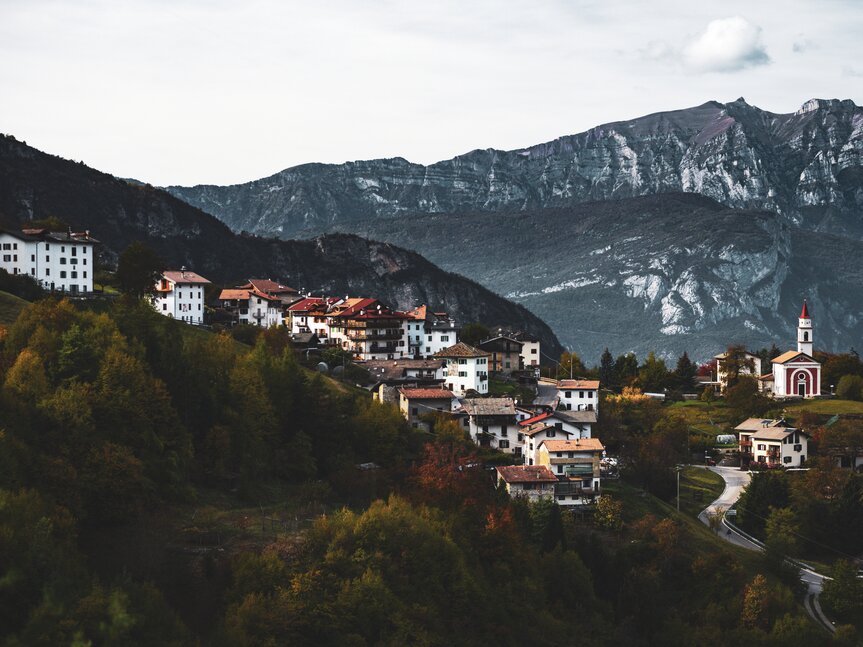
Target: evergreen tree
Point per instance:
(684, 374)
(138, 269)
(607, 376)
(653, 374)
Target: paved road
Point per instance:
(735, 482)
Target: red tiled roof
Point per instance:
(184, 276)
(309, 303)
(541, 416)
(462, 350)
(240, 294)
(427, 394)
(578, 384)
(579, 445)
(526, 474)
(268, 286)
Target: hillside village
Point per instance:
(417, 362)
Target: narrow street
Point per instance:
(735, 482)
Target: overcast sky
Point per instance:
(194, 91)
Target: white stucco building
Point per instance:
(466, 369)
(578, 395)
(59, 261)
(796, 374)
(180, 294)
(250, 306)
(576, 465)
(430, 332)
(492, 422)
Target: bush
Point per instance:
(850, 387)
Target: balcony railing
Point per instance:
(388, 334)
(573, 488)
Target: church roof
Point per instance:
(804, 314)
(786, 357)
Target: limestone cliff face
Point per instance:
(34, 185)
(806, 166)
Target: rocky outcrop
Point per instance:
(806, 166)
(34, 185)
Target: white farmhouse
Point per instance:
(180, 294)
(430, 332)
(576, 465)
(59, 261)
(578, 395)
(466, 369)
(780, 447)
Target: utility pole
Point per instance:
(678, 469)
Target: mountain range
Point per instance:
(681, 230)
(35, 185)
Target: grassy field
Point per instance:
(10, 308)
(707, 417)
(698, 488)
(824, 407)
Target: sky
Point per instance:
(218, 92)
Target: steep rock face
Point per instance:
(34, 185)
(807, 166)
(668, 273)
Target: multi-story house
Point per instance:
(250, 306)
(576, 463)
(534, 482)
(370, 330)
(492, 422)
(532, 435)
(416, 403)
(285, 294)
(58, 261)
(772, 443)
(578, 395)
(430, 332)
(389, 375)
(466, 369)
(309, 315)
(531, 351)
(180, 294)
(505, 354)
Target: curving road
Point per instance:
(735, 482)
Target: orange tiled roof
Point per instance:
(462, 350)
(579, 445)
(427, 394)
(526, 474)
(578, 384)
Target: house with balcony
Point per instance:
(505, 353)
(576, 464)
(748, 428)
(416, 403)
(531, 482)
(180, 294)
(492, 423)
(578, 395)
(252, 307)
(775, 447)
(466, 369)
(369, 329)
(531, 351)
(390, 375)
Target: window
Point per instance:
(786, 459)
(560, 471)
(32, 258)
(568, 394)
(533, 351)
(47, 271)
(462, 373)
(762, 447)
(85, 275)
(503, 444)
(503, 431)
(73, 261)
(7, 258)
(549, 433)
(430, 337)
(465, 420)
(444, 338)
(63, 260)
(74, 251)
(590, 394)
(62, 249)
(47, 259)
(62, 275)
(74, 275)
(581, 394)
(47, 247)
(164, 306)
(6, 246)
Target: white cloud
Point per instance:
(727, 45)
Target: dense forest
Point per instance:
(116, 422)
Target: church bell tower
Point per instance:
(804, 332)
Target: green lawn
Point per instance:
(10, 307)
(698, 488)
(824, 407)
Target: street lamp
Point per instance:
(678, 469)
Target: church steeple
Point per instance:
(804, 331)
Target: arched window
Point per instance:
(805, 335)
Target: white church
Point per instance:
(796, 374)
